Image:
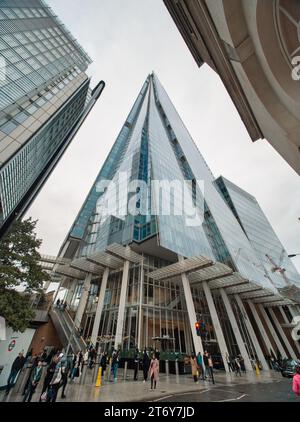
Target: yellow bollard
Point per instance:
(257, 370)
(99, 378)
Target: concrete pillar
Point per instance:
(140, 326)
(216, 324)
(252, 334)
(83, 300)
(100, 304)
(273, 332)
(71, 292)
(191, 313)
(121, 312)
(282, 334)
(261, 328)
(236, 331)
(285, 318)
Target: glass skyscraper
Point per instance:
(45, 96)
(146, 276)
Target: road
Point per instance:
(278, 391)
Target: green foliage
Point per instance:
(20, 269)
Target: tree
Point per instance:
(21, 275)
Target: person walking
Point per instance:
(154, 371)
(92, 357)
(115, 365)
(56, 381)
(200, 365)
(296, 381)
(228, 360)
(211, 368)
(237, 367)
(16, 367)
(103, 363)
(34, 360)
(146, 365)
(49, 376)
(78, 360)
(194, 366)
(136, 364)
(65, 369)
(34, 381)
(205, 364)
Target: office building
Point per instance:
(45, 96)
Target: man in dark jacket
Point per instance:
(15, 369)
(136, 364)
(35, 378)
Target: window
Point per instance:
(9, 127)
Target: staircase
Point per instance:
(66, 330)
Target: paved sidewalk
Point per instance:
(133, 391)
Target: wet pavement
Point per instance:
(268, 386)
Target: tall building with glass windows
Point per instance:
(45, 96)
(144, 277)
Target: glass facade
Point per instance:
(44, 91)
(260, 233)
(154, 145)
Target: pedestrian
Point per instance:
(205, 364)
(154, 371)
(35, 378)
(92, 357)
(228, 360)
(211, 368)
(17, 365)
(44, 355)
(136, 364)
(48, 377)
(194, 366)
(56, 382)
(58, 303)
(242, 363)
(34, 363)
(77, 362)
(65, 369)
(200, 365)
(103, 362)
(296, 381)
(115, 365)
(28, 357)
(65, 306)
(146, 365)
(237, 367)
(157, 354)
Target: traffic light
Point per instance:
(197, 326)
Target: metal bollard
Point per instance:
(176, 367)
(167, 368)
(125, 370)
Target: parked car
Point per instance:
(288, 367)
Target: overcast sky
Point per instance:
(127, 39)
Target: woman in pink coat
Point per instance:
(296, 381)
(154, 371)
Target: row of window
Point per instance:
(19, 175)
(11, 122)
(21, 13)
